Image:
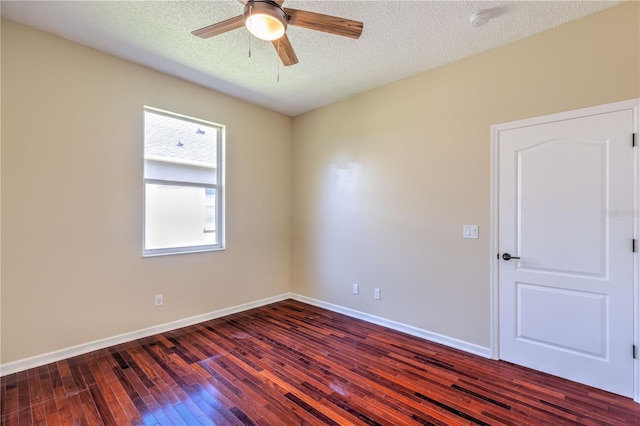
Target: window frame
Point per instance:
(218, 188)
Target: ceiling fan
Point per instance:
(268, 20)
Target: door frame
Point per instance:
(494, 316)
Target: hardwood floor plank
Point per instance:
(51, 410)
(77, 410)
(64, 411)
(209, 411)
(22, 380)
(212, 393)
(24, 417)
(3, 388)
(9, 395)
(10, 418)
(105, 399)
(294, 364)
(122, 408)
(35, 387)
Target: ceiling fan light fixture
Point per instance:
(265, 19)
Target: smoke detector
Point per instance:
(480, 18)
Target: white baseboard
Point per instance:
(38, 360)
(414, 331)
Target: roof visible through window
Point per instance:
(173, 139)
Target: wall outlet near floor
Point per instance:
(158, 300)
(376, 293)
(356, 289)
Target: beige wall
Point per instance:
(72, 199)
(384, 181)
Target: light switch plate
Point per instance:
(470, 231)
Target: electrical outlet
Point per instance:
(376, 293)
(356, 289)
(158, 300)
(470, 231)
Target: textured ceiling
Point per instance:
(400, 39)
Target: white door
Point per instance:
(566, 197)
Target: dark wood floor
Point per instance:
(290, 363)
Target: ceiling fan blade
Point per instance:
(326, 23)
(285, 51)
(220, 27)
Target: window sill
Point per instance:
(187, 251)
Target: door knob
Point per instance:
(507, 256)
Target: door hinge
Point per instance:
(633, 139)
(635, 351)
(634, 245)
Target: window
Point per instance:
(182, 184)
